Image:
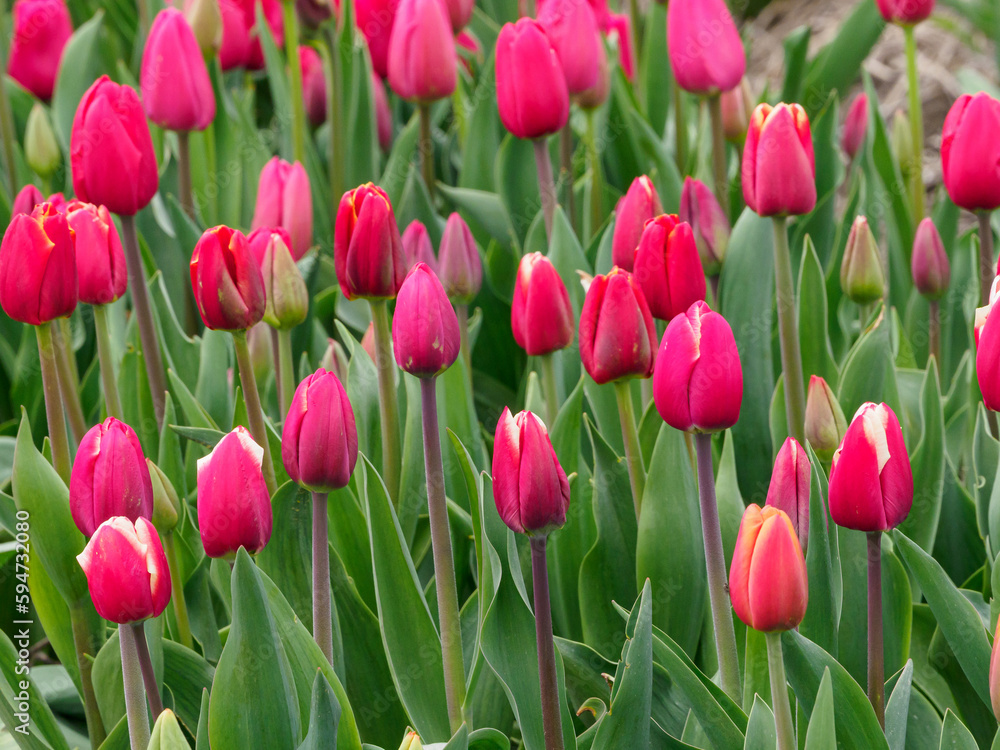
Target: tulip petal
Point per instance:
(778, 590)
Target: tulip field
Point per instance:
(499, 375)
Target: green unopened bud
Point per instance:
(40, 147)
(287, 296)
(411, 742)
(205, 20)
(166, 503)
(861, 275)
(902, 141)
(825, 423)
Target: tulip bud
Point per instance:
(423, 64)
(861, 275)
(901, 139)
(205, 20)
(640, 204)
(987, 336)
(929, 263)
(541, 316)
(166, 503)
(779, 169)
(37, 267)
(240, 44)
(411, 742)
(234, 508)
(596, 95)
(905, 12)
(375, 19)
(459, 265)
(617, 333)
(700, 208)
(768, 583)
(825, 422)
(531, 87)
(737, 106)
(176, 91)
(383, 115)
(25, 201)
(417, 246)
(41, 30)
(227, 282)
(287, 299)
(319, 440)
(100, 260)
(970, 152)
(126, 571)
(572, 29)
(789, 487)
(425, 334)
(667, 267)
(706, 52)
(284, 199)
(995, 674)
(529, 485)
(698, 386)
(459, 13)
(367, 250)
(855, 126)
(871, 483)
(313, 85)
(111, 150)
(334, 359)
(40, 148)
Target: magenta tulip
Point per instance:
(905, 12)
(423, 64)
(855, 126)
(383, 115)
(367, 249)
(700, 208)
(970, 152)
(227, 282)
(668, 268)
(241, 46)
(987, 335)
(639, 204)
(531, 86)
(571, 27)
(284, 199)
(459, 265)
(541, 316)
(459, 13)
(779, 169)
(706, 52)
(26, 199)
(417, 246)
(790, 487)
(313, 85)
(100, 260)
(41, 30)
(929, 262)
(375, 19)
(425, 334)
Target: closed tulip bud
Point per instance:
(367, 249)
(970, 152)
(40, 148)
(987, 336)
(240, 44)
(737, 106)
(597, 94)
(619, 27)
(706, 52)
(205, 19)
(284, 199)
(768, 583)
(26, 199)
(111, 150)
(982, 313)
(929, 262)
(41, 30)
(698, 386)
(700, 208)
(425, 334)
(176, 91)
(459, 13)
(572, 29)
(459, 265)
(100, 260)
(234, 508)
(905, 12)
(423, 64)
(789, 488)
(313, 85)
(871, 483)
(779, 169)
(825, 422)
(417, 246)
(227, 282)
(852, 138)
(411, 742)
(334, 359)
(861, 275)
(667, 267)
(166, 503)
(319, 439)
(901, 139)
(375, 19)
(541, 316)
(995, 674)
(617, 333)
(126, 570)
(639, 204)
(287, 299)
(383, 115)
(531, 87)
(529, 485)
(37, 267)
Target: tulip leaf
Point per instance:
(194, 413)
(324, 717)
(567, 256)
(954, 735)
(817, 352)
(985, 458)
(820, 624)
(822, 731)
(897, 709)
(485, 209)
(167, 733)
(928, 462)
(761, 733)
(187, 676)
(517, 183)
(362, 390)
(869, 372)
(54, 616)
(213, 393)
(22, 704)
(78, 69)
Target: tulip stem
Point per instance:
(426, 149)
(595, 175)
(566, 169)
(546, 185)
(876, 658)
(916, 126)
(255, 413)
(67, 380)
(112, 402)
(444, 563)
(680, 129)
(144, 315)
(87, 644)
(791, 354)
(462, 313)
(286, 368)
(146, 667)
(986, 267)
(719, 165)
(135, 703)
(725, 635)
(551, 719)
(53, 401)
(295, 76)
(184, 173)
(333, 113)
(779, 693)
(630, 436)
(322, 608)
(548, 367)
(385, 364)
(177, 587)
(934, 332)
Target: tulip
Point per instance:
(100, 260)
(25, 201)
(571, 27)
(111, 151)
(425, 335)
(855, 126)
(284, 199)
(861, 275)
(417, 247)
(459, 13)
(905, 12)
(335, 360)
(110, 477)
(779, 170)
(531, 87)
(459, 265)
(375, 19)
(929, 264)
(737, 106)
(205, 19)
(789, 488)
(639, 204)
(901, 140)
(411, 742)
(40, 148)
(706, 53)
(41, 30)
(995, 674)
(383, 115)
(367, 249)
(176, 91)
(423, 65)
(166, 503)
(234, 508)
(825, 424)
(241, 46)
(667, 267)
(596, 95)
(700, 208)
(227, 282)
(126, 570)
(617, 334)
(313, 85)
(287, 299)
(970, 152)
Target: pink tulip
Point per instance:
(26, 199)
(905, 12)
(706, 52)
(667, 267)
(983, 313)
(100, 260)
(737, 106)
(284, 199)
(459, 13)
(700, 208)
(459, 265)
(313, 85)
(241, 46)
(417, 246)
(929, 262)
(531, 87)
(227, 282)
(541, 316)
(620, 25)
(970, 152)
(425, 334)
(41, 30)
(423, 65)
(987, 335)
(855, 126)
(383, 115)
(367, 250)
(790, 487)
(375, 19)
(572, 29)
(639, 204)
(779, 169)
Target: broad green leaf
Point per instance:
(324, 718)
(167, 733)
(954, 735)
(796, 46)
(186, 675)
(897, 709)
(928, 461)
(823, 565)
(517, 183)
(817, 353)
(822, 731)
(761, 733)
(486, 209)
(985, 454)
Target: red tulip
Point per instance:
(423, 65)
(100, 260)
(284, 199)
(698, 386)
(706, 52)
(41, 30)
(313, 85)
(617, 333)
(667, 267)
(855, 126)
(368, 341)
(929, 262)
(541, 316)
(240, 41)
(417, 246)
(425, 334)
(768, 583)
(111, 151)
(227, 282)
(700, 208)
(375, 19)
(825, 424)
(790, 486)
(572, 29)
(319, 439)
(37, 267)
(383, 115)
(871, 483)
(459, 265)
(640, 204)
(459, 13)
(905, 12)
(779, 169)
(531, 86)
(26, 199)
(367, 250)
(970, 152)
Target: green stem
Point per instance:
(184, 173)
(549, 388)
(286, 369)
(630, 436)
(67, 381)
(385, 364)
(146, 667)
(546, 185)
(566, 170)
(135, 701)
(633, 8)
(791, 355)
(934, 332)
(680, 131)
(779, 693)
(255, 413)
(462, 313)
(551, 718)
(112, 401)
(426, 148)
(458, 112)
(715, 563)
(86, 644)
(444, 562)
(987, 269)
(322, 607)
(876, 658)
(333, 111)
(719, 166)
(916, 126)
(177, 589)
(53, 401)
(295, 76)
(596, 181)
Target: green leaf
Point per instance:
(78, 69)
(517, 183)
(324, 717)
(24, 712)
(167, 734)
(897, 709)
(761, 733)
(796, 46)
(486, 209)
(954, 735)
(869, 373)
(823, 565)
(822, 732)
(927, 459)
(817, 353)
(187, 676)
